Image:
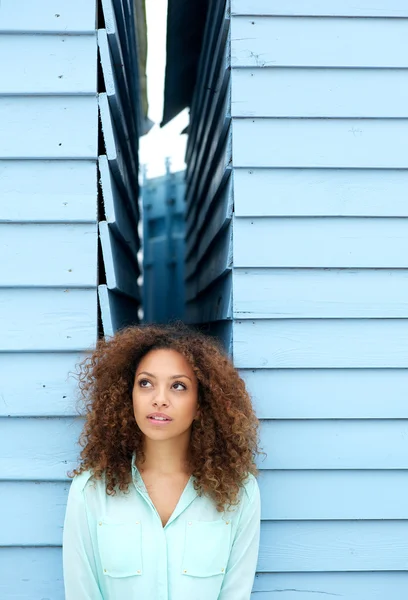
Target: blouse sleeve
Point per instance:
(241, 568)
(80, 574)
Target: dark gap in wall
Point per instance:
(100, 16)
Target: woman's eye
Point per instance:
(144, 383)
(179, 386)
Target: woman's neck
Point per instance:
(167, 457)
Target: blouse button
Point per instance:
(137, 522)
(184, 571)
(226, 522)
(100, 522)
(105, 571)
(189, 523)
(138, 572)
(222, 570)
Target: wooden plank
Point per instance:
(117, 310)
(318, 242)
(333, 546)
(349, 586)
(48, 388)
(48, 191)
(117, 208)
(32, 513)
(314, 92)
(47, 64)
(215, 304)
(121, 268)
(274, 42)
(320, 8)
(320, 293)
(51, 127)
(303, 393)
(38, 449)
(341, 143)
(221, 215)
(334, 444)
(320, 192)
(321, 343)
(216, 263)
(127, 186)
(27, 573)
(25, 250)
(221, 171)
(48, 16)
(47, 319)
(326, 495)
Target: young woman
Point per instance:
(164, 505)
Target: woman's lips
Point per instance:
(159, 421)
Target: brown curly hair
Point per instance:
(224, 441)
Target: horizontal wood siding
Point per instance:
(208, 183)
(48, 277)
(319, 279)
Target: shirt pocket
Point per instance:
(120, 548)
(207, 548)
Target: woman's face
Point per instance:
(165, 395)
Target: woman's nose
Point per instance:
(160, 399)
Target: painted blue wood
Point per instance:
(320, 8)
(349, 586)
(313, 242)
(27, 573)
(41, 449)
(71, 262)
(320, 293)
(51, 127)
(48, 191)
(333, 546)
(214, 264)
(118, 210)
(334, 444)
(320, 192)
(121, 268)
(32, 513)
(320, 92)
(117, 310)
(221, 215)
(333, 495)
(214, 304)
(274, 42)
(47, 319)
(220, 174)
(47, 64)
(48, 16)
(47, 388)
(340, 143)
(321, 343)
(328, 393)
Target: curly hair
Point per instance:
(224, 440)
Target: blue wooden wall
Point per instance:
(297, 237)
(48, 296)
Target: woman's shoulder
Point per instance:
(250, 488)
(83, 480)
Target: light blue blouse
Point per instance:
(116, 548)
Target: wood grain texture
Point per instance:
(51, 127)
(349, 586)
(48, 191)
(311, 92)
(321, 242)
(328, 393)
(32, 513)
(27, 573)
(48, 387)
(298, 42)
(333, 495)
(320, 293)
(48, 64)
(38, 449)
(341, 143)
(333, 546)
(321, 343)
(320, 192)
(334, 444)
(47, 319)
(48, 16)
(25, 250)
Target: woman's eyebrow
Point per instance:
(178, 376)
(172, 377)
